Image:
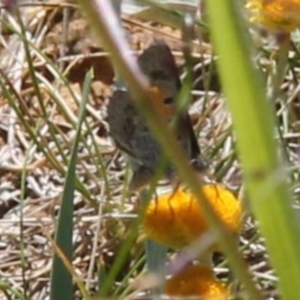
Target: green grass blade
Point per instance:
(105, 287)
(61, 279)
(105, 23)
(156, 256)
(254, 128)
(10, 292)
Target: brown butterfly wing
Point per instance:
(131, 135)
(158, 63)
(129, 130)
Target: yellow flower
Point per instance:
(196, 281)
(177, 219)
(280, 15)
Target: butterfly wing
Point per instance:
(131, 135)
(129, 130)
(158, 63)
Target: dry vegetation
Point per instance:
(37, 131)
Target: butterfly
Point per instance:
(130, 131)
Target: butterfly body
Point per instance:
(130, 131)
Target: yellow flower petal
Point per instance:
(197, 281)
(177, 219)
(281, 15)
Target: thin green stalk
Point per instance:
(105, 23)
(120, 259)
(254, 129)
(17, 294)
(24, 256)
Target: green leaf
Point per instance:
(61, 278)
